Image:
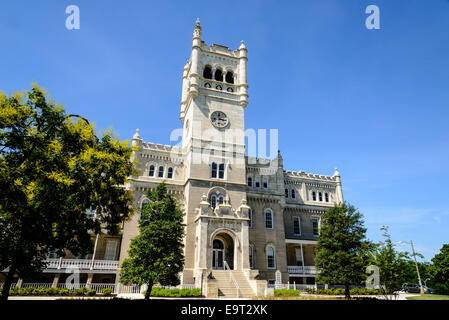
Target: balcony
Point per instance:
(82, 264)
(299, 270)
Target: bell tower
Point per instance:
(214, 97)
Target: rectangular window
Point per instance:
(214, 170)
(313, 195)
(250, 216)
(293, 194)
(251, 257)
(265, 183)
(170, 173)
(257, 183)
(250, 181)
(296, 226)
(326, 196)
(111, 248)
(221, 170)
(286, 193)
(315, 229)
(321, 196)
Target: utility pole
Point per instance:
(417, 269)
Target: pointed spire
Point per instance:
(336, 173)
(197, 21)
(197, 29)
(242, 46)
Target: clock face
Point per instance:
(219, 119)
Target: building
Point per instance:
(242, 214)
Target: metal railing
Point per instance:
(301, 269)
(82, 264)
(232, 278)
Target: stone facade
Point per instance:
(226, 207)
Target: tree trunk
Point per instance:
(148, 293)
(7, 284)
(347, 292)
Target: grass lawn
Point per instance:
(429, 297)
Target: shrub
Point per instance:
(64, 292)
(107, 292)
(286, 292)
(80, 292)
(91, 292)
(159, 292)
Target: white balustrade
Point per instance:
(301, 269)
(82, 264)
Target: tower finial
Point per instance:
(197, 21)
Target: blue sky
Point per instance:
(373, 103)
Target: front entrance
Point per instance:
(217, 255)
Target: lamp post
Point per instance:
(416, 264)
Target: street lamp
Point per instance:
(416, 264)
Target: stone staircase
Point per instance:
(226, 287)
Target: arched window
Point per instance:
(161, 172)
(250, 181)
(313, 195)
(214, 170)
(293, 194)
(170, 173)
(271, 258)
(221, 170)
(286, 192)
(213, 202)
(218, 75)
(220, 200)
(268, 219)
(229, 77)
(217, 244)
(151, 172)
(207, 73)
(251, 256)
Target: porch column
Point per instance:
(19, 283)
(55, 280)
(302, 258)
(89, 280)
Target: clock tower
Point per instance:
(214, 97)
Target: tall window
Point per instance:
(220, 200)
(313, 195)
(286, 193)
(296, 226)
(265, 183)
(250, 217)
(251, 256)
(250, 182)
(326, 197)
(320, 195)
(213, 202)
(151, 172)
(271, 259)
(229, 77)
(161, 172)
(268, 219)
(293, 194)
(207, 73)
(257, 182)
(214, 170)
(221, 170)
(170, 173)
(315, 226)
(218, 75)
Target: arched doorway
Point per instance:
(222, 250)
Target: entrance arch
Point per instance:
(222, 250)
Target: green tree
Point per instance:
(156, 254)
(53, 168)
(440, 270)
(341, 246)
(394, 266)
